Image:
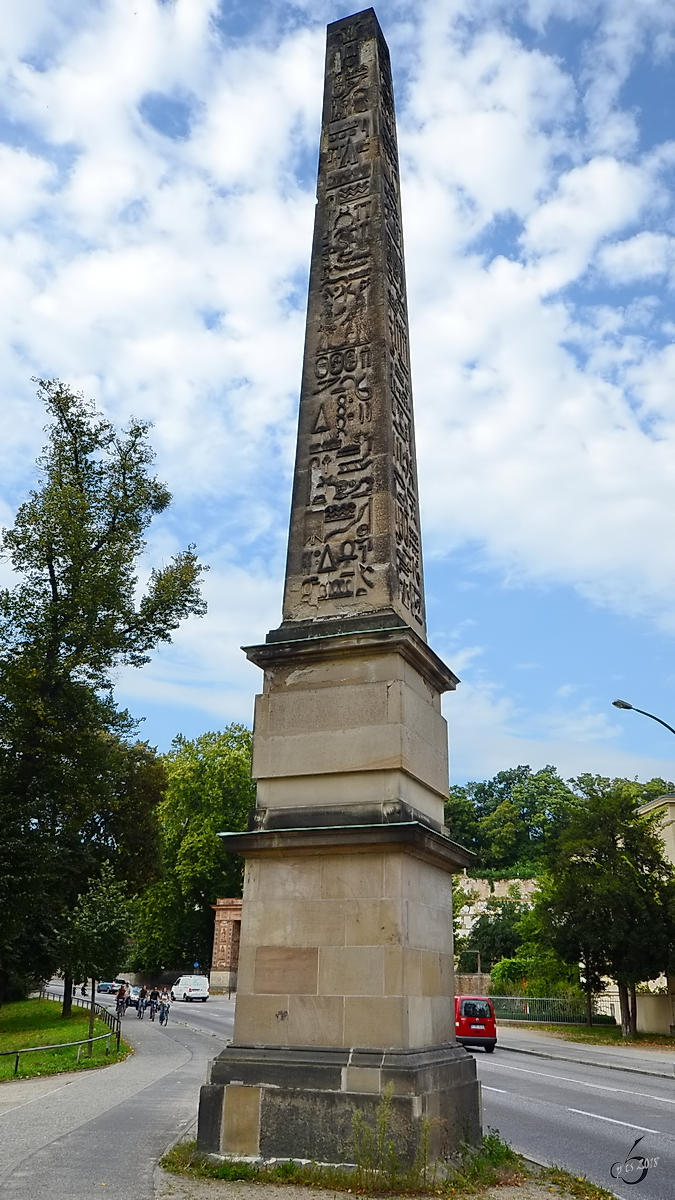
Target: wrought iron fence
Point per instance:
(555, 1010)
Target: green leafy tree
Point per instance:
(607, 900)
(93, 940)
(210, 791)
(510, 820)
(494, 935)
(69, 620)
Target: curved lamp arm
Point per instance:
(625, 704)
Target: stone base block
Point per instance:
(222, 981)
(292, 1102)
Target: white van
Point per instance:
(190, 987)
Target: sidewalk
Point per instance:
(643, 1061)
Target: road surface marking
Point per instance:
(583, 1083)
(502, 1090)
(613, 1121)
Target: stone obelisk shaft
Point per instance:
(354, 545)
(345, 983)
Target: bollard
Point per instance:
(16, 1065)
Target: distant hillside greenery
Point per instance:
(513, 821)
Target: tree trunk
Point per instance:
(588, 984)
(67, 1006)
(625, 1010)
(633, 1010)
(92, 1016)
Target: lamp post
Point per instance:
(625, 704)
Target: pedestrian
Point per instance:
(164, 1006)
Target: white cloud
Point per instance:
(490, 732)
(645, 256)
(165, 275)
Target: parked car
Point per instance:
(110, 988)
(475, 1023)
(191, 987)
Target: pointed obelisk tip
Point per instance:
(354, 554)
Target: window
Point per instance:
(476, 1008)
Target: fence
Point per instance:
(59, 1046)
(553, 1009)
(104, 1014)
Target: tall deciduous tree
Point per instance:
(210, 791)
(607, 901)
(71, 617)
(510, 820)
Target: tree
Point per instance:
(94, 939)
(494, 935)
(210, 791)
(509, 821)
(70, 619)
(607, 900)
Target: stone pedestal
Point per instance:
(346, 960)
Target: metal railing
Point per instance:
(104, 1014)
(59, 1046)
(554, 1009)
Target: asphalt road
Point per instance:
(583, 1117)
(71, 1135)
(75, 1134)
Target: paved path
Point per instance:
(659, 1060)
(71, 1135)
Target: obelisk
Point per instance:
(346, 959)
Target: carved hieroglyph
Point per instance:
(354, 543)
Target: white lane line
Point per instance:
(613, 1121)
(502, 1090)
(584, 1083)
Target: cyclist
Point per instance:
(142, 1001)
(153, 1001)
(121, 1002)
(164, 1006)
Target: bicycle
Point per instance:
(121, 1007)
(152, 1005)
(164, 1007)
(140, 1009)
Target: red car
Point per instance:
(475, 1023)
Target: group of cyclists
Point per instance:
(154, 1001)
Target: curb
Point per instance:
(587, 1062)
(540, 1162)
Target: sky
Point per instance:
(158, 163)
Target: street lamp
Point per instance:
(625, 704)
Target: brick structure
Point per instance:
(226, 936)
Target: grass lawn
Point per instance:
(598, 1035)
(39, 1023)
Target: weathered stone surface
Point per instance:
(354, 544)
(346, 967)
